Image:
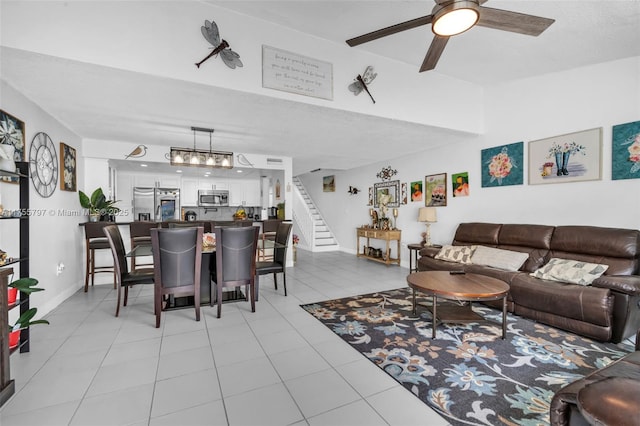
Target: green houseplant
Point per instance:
(21, 323)
(98, 205)
(25, 285)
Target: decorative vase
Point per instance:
(295, 254)
(14, 339)
(94, 217)
(6, 157)
(12, 295)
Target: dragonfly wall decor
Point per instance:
(212, 35)
(362, 81)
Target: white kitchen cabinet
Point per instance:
(213, 183)
(149, 180)
(244, 193)
(189, 193)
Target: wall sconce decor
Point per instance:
(199, 157)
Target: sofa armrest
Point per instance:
(430, 251)
(628, 284)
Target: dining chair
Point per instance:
(124, 277)
(95, 240)
(269, 229)
(235, 262)
(279, 261)
(140, 234)
(177, 257)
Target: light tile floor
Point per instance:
(277, 366)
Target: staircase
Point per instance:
(315, 234)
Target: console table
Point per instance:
(378, 234)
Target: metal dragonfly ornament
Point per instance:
(212, 35)
(362, 81)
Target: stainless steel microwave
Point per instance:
(213, 198)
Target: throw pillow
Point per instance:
(498, 258)
(570, 271)
(458, 254)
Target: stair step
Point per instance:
(325, 241)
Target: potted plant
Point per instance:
(98, 205)
(23, 322)
(25, 285)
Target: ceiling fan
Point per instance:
(452, 17)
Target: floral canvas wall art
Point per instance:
(502, 165)
(566, 158)
(68, 167)
(625, 151)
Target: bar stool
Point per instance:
(95, 239)
(140, 233)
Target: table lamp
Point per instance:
(429, 216)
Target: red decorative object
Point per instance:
(14, 339)
(12, 295)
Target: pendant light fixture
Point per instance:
(201, 158)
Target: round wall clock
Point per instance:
(43, 164)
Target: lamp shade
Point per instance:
(427, 214)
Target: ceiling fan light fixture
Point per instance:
(454, 17)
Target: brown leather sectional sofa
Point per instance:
(606, 310)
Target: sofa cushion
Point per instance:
(570, 271)
(458, 254)
(498, 258)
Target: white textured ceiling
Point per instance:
(99, 102)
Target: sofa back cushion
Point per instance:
(618, 248)
(534, 240)
(472, 233)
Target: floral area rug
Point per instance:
(468, 374)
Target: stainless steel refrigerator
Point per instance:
(157, 204)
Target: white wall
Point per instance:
(54, 236)
(537, 108)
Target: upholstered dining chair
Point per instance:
(95, 240)
(124, 277)
(177, 257)
(235, 262)
(269, 229)
(140, 234)
(279, 261)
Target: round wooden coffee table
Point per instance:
(458, 287)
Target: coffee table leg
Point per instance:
(414, 302)
(433, 334)
(504, 317)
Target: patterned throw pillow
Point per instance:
(570, 271)
(497, 258)
(458, 254)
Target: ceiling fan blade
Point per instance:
(433, 55)
(403, 26)
(515, 22)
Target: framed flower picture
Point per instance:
(625, 151)
(388, 193)
(435, 190)
(67, 168)
(416, 191)
(12, 133)
(572, 157)
(502, 165)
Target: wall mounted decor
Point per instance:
(460, 184)
(68, 181)
(625, 151)
(138, 151)
(212, 35)
(435, 190)
(386, 173)
(362, 82)
(370, 196)
(43, 164)
(329, 184)
(12, 133)
(290, 72)
(572, 157)
(403, 191)
(353, 190)
(416, 191)
(391, 188)
(502, 165)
